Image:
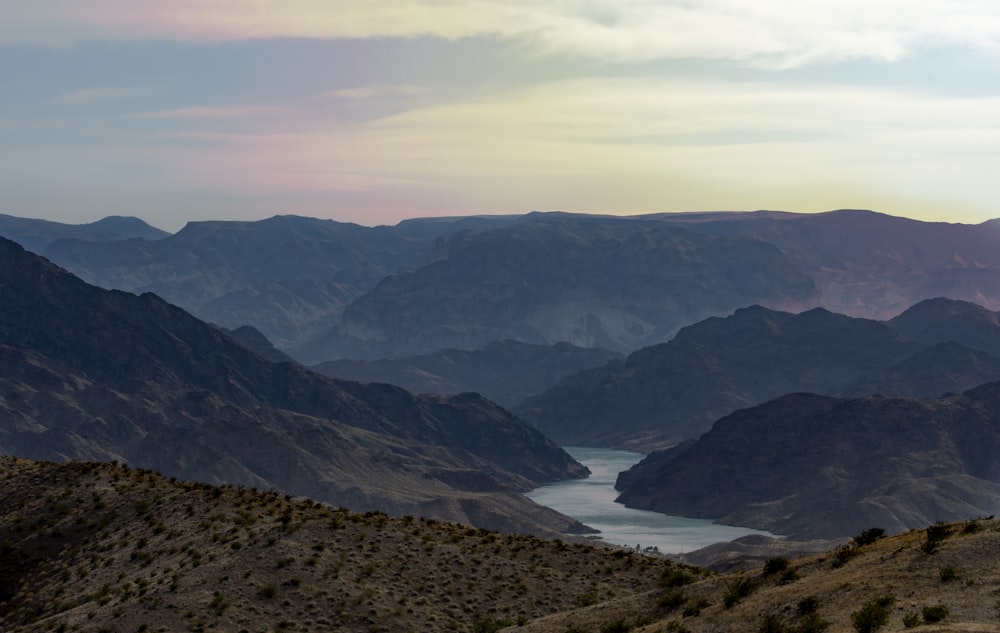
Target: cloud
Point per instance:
(772, 33)
(217, 112)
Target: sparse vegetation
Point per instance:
(873, 615)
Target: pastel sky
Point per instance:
(376, 110)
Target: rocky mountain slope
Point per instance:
(95, 374)
(675, 391)
(813, 466)
(37, 235)
(613, 283)
(506, 372)
(95, 547)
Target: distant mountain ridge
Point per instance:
(506, 372)
(323, 290)
(37, 235)
(95, 374)
(674, 391)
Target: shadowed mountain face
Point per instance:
(95, 374)
(37, 235)
(506, 372)
(597, 282)
(814, 466)
(669, 392)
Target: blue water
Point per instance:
(592, 502)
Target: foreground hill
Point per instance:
(506, 372)
(939, 579)
(812, 466)
(675, 391)
(603, 282)
(95, 547)
(95, 374)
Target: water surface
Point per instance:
(592, 502)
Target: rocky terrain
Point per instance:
(810, 466)
(506, 372)
(674, 391)
(98, 547)
(87, 373)
(944, 578)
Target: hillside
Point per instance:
(940, 579)
(674, 391)
(506, 372)
(95, 547)
(810, 466)
(96, 374)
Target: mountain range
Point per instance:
(323, 290)
(674, 391)
(87, 373)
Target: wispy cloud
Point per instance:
(778, 33)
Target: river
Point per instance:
(592, 502)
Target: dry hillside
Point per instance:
(96, 547)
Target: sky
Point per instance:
(372, 111)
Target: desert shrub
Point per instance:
(843, 554)
(615, 626)
(675, 577)
(672, 599)
(738, 590)
(948, 573)
(935, 534)
(934, 614)
(911, 619)
(873, 615)
(971, 527)
(789, 576)
(775, 565)
(807, 605)
(694, 607)
(772, 623)
(812, 623)
(586, 599)
(868, 536)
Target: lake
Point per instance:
(592, 502)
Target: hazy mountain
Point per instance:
(506, 372)
(942, 321)
(666, 393)
(603, 282)
(815, 466)
(95, 374)
(869, 264)
(36, 235)
(285, 276)
(255, 341)
(676, 390)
